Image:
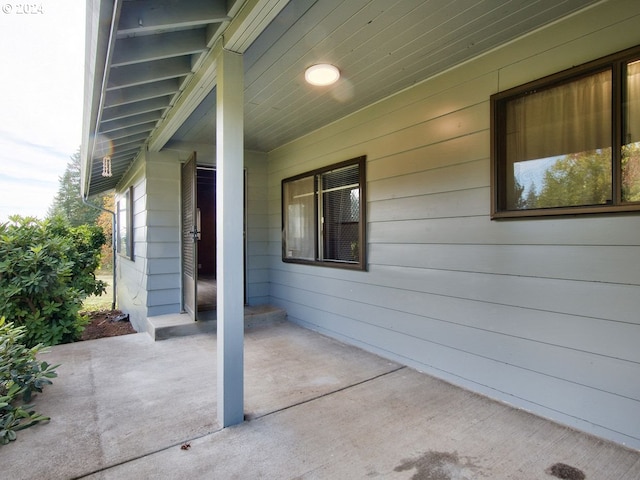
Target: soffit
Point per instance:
(380, 46)
(151, 55)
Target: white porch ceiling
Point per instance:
(380, 46)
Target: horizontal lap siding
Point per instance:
(509, 365)
(600, 336)
(606, 414)
(131, 278)
(593, 263)
(542, 313)
(477, 230)
(257, 229)
(161, 245)
(163, 234)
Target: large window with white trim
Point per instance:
(323, 216)
(569, 143)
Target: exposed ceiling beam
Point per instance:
(103, 186)
(129, 147)
(142, 92)
(147, 127)
(120, 123)
(125, 153)
(141, 73)
(142, 17)
(156, 47)
(136, 108)
(138, 138)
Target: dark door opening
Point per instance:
(199, 253)
(206, 244)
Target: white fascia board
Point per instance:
(99, 23)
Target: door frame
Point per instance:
(183, 238)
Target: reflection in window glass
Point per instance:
(125, 224)
(631, 147)
(299, 218)
(122, 226)
(558, 145)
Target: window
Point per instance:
(125, 224)
(569, 143)
(323, 216)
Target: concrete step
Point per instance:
(162, 327)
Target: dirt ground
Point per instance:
(102, 324)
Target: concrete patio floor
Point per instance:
(130, 408)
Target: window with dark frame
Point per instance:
(323, 216)
(569, 143)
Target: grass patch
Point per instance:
(104, 301)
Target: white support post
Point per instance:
(230, 211)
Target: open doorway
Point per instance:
(199, 240)
(206, 244)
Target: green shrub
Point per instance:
(21, 374)
(46, 271)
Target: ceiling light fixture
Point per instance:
(322, 74)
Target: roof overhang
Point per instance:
(149, 64)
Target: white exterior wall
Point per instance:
(539, 313)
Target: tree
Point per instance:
(583, 179)
(631, 172)
(577, 179)
(518, 193)
(532, 197)
(68, 202)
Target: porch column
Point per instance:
(230, 273)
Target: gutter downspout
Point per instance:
(113, 244)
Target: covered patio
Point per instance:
(418, 259)
(128, 407)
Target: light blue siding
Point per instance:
(151, 284)
(257, 276)
(131, 281)
(542, 314)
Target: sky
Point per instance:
(41, 88)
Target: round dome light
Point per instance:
(322, 74)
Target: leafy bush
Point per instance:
(20, 375)
(46, 271)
